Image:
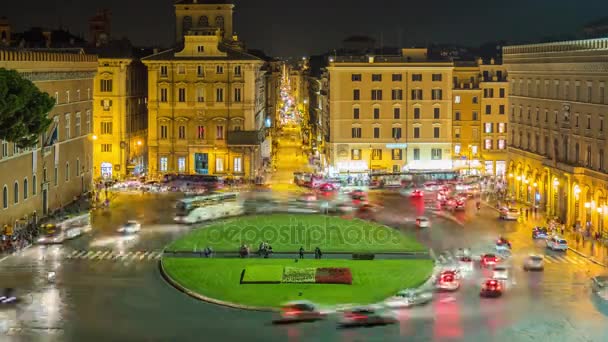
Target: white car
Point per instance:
(534, 263)
(556, 243)
(500, 273)
(408, 298)
(422, 222)
(131, 227)
(511, 214)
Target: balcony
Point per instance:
(246, 138)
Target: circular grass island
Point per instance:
(362, 262)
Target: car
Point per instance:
(509, 214)
(409, 298)
(500, 273)
(503, 244)
(491, 288)
(422, 222)
(417, 193)
(556, 243)
(488, 260)
(299, 311)
(307, 197)
(431, 186)
(9, 297)
(534, 262)
(326, 187)
(540, 233)
(130, 227)
(599, 286)
(459, 203)
(366, 316)
(447, 281)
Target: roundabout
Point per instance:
(360, 262)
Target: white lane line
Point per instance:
(552, 259)
(87, 255)
(73, 254)
(136, 255)
(100, 257)
(94, 255)
(110, 255)
(576, 260)
(561, 259)
(547, 260)
(151, 255)
(80, 254)
(141, 257)
(160, 254)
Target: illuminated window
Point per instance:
(238, 164)
(457, 99)
(164, 163)
(181, 164)
(219, 164)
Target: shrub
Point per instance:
(299, 275)
(333, 276)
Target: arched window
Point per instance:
(34, 186)
(219, 22)
(203, 21)
(25, 189)
(16, 193)
(186, 24)
(5, 197)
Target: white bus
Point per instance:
(66, 229)
(203, 208)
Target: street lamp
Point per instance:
(470, 157)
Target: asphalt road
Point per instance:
(108, 288)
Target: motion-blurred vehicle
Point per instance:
(447, 281)
(131, 227)
(556, 243)
(509, 214)
(307, 197)
(540, 233)
(432, 186)
(367, 316)
(297, 312)
(503, 244)
(491, 288)
(67, 229)
(8, 297)
(500, 272)
(417, 193)
(422, 222)
(326, 187)
(599, 286)
(488, 260)
(459, 203)
(409, 298)
(534, 262)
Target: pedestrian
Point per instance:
(301, 252)
(562, 230)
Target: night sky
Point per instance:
(300, 28)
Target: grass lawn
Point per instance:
(289, 232)
(373, 280)
(263, 273)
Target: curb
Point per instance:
(209, 300)
(592, 259)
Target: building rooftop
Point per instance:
(232, 54)
(556, 47)
(203, 2)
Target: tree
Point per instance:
(23, 109)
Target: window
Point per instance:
(67, 172)
(200, 94)
(356, 94)
(437, 94)
(163, 71)
(356, 113)
(219, 69)
(237, 94)
(181, 132)
(200, 71)
(602, 94)
(237, 70)
(416, 154)
(77, 131)
(436, 154)
(105, 86)
(488, 93)
(436, 77)
(200, 132)
(25, 189)
(501, 110)
(56, 175)
(376, 154)
(68, 126)
(181, 164)
(588, 122)
(67, 96)
(219, 132)
(164, 164)
(56, 98)
(488, 144)
(416, 132)
(355, 154)
(181, 94)
(475, 116)
(601, 129)
(355, 77)
(436, 132)
(457, 99)
(4, 197)
(237, 164)
(488, 109)
(577, 91)
(501, 92)
(397, 154)
(502, 127)
(163, 94)
(417, 77)
(376, 77)
(376, 113)
(436, 113)
(416, 113)
(589, 93)
(488, 126)
(397, 77)
(356, 132)
(88, 122)
(34, 185)
(457, 132)
(219, 95)
(416, 94)
(376, 132)
(164, 132)
(16, 193)
(106, 127)
(457, 116)
(396, 133)
(396, 113)
(377, 94)
(397, 94)
(502, 144)
(106, 148)
(219, 163)
(457, 149)
(200, 48)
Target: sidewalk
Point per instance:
(585, 247)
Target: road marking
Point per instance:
(547, 260)
(80, 254)
(135, 255)
(151, 255)
(73, 254)
(110, 255)
(159, 255)
(94, 255)
(100, 257)
(141, 257)
(87, 255)
(577, 260)
(559, 258)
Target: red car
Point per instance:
(328, 187)
(488, 260)
(491, 288)
(448, 281)
(417, 193)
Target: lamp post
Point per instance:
(470, 157)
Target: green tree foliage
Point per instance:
(23, 109)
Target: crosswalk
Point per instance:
(108, 255)
(565, 258)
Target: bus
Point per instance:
(65, 229)
(180, 181)
(416, 177)
(201, 208)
